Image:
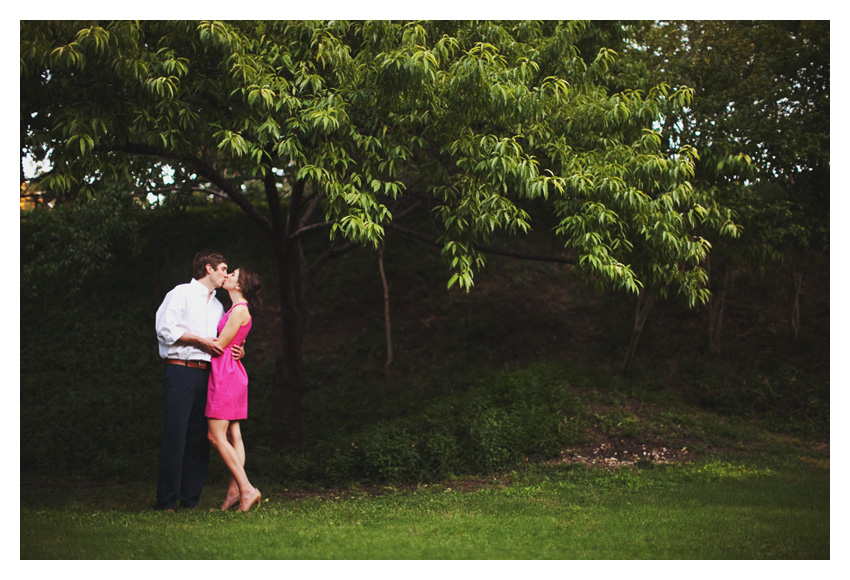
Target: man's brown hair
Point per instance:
(204, 257)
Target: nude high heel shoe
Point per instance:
(255, 499)
(229, 503)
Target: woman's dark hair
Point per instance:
(250, 285)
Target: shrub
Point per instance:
(442, 454)
(489, 424)
(492, 439)
(390, 453)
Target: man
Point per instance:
(186, 325)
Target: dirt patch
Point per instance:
(612, 453)
(607, 453)
(496, 480)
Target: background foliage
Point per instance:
(620, 152)
(523, 367)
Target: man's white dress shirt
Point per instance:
(187, 308)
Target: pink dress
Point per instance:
(227, 393)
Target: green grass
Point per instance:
(709, 510)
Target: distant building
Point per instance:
(31, 196)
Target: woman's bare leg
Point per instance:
(234, 437)
(217, 431)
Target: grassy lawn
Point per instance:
(707, 510)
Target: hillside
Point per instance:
(528, 363)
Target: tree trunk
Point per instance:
(288, 377)
(716, 307)
(387, 324)
(644, 304)
(798, 291)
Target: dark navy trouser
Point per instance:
(184, 454)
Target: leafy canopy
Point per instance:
(762, 94)
(478, 120)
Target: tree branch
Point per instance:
(486, 249)
(312, 203)
(273, 199)
(519, 256)
(332, 252)
(205, 170)
(232, 191)
(301, 232)
(407, 211)
(204, 190)
(415, 235)
(304, 230)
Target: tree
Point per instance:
(762, 94)
(347, 127)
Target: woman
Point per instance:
(227, 395)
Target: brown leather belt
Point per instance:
(192, 364)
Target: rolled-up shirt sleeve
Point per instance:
(168, 317)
